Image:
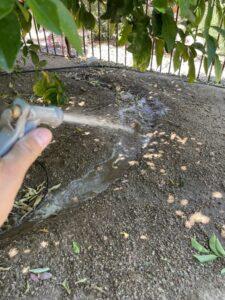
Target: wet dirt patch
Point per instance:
(134, 238)
(83, 161)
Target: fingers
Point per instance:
(15, 164)
(25, 152)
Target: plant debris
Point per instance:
(214, 252)
(39, 270)
(82, 280)
(65, 285)
(75, 247)
(3, 269)
(30, 199)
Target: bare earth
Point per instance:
(135, 234)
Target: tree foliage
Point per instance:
(144, 30)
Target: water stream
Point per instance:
(126, 149)
(93, 121)
(128, 146)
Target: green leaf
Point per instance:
(199, 46)
(24, 11)
(42, 63)
(159, 50)
(205, 258)
(176, 59)
(9, 41)
(125, 31)
(182, 35)
(25, 51)
(197, 246)
(222, 272)
(208, 18)
(218, 73)
(39, 270)
(75, 247)
(191, 71)
(85, 19)
(46, 14)
(156, 23)
(221, 31)
(24, 23)
(53, 15)
(142, 58)
(65, 285)
(199, 12)
(34, 48)
(185, 10)
(6, 6)
(193, 51)
(160, 5)
(34, 58)
(219, 9)
(206, 66)
(75, 7)
(213, 244)
(82, 280)
(211, 48)
(169, 30)
(68, 27)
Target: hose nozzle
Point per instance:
(21, 118)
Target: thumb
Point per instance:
(25, 152)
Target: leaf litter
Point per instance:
(215, 251)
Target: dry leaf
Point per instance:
(170, 199)
(81, 104)
(3, 269)
(197, 217)
(125, 234)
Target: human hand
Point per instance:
(14, 165)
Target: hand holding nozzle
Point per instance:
(21, 118)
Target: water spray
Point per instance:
(21, 118)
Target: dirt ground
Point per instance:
(135, 234)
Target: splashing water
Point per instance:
(94, 122)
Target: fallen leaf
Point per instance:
(205, 258)
(183, 168)
(98, 288)
(184, 202)
(125, 234)
(13, 252)
(34, 277)
(65, 285)
(39, 270)
(45, 276)
(27, 288)
(197, 246)
(217, 195)
(76, 247)
(179, 213)
(81, 104)
(197, 217)
(170, 199)
(3, 269)
(82, 280)
(55, 187)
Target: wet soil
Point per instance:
(135, 234)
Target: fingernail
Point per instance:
(42, 136)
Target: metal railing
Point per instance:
(102, 43)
